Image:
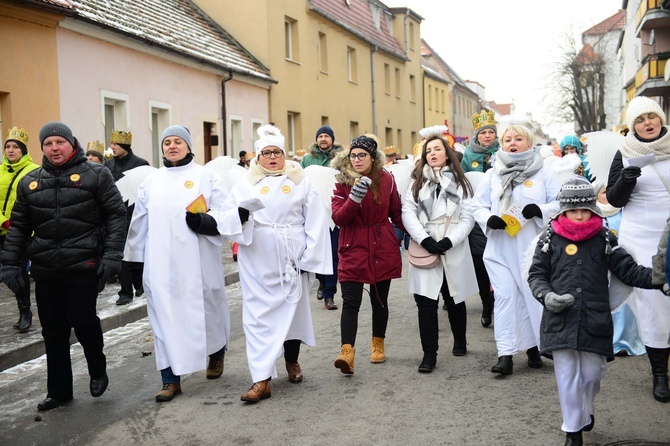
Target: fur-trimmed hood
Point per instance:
(316, 152)
(347, 174)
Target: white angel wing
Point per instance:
(228, 169)
(602, 147)
(401, 172)
(474, 177)
(563, 167)
(131, 180)
(528, 258)
(323, 179)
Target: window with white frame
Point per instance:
(323, 53)
(292, 131)
(236, 134)
(114, 113)
(352, 64)
(160, 120)
(291, 39)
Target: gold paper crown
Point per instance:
(416, 150)
(18, 134)
(390, 150)
(95, 145)
(119, 137)
(300, 152)
(483, 118)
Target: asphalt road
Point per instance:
(460, 403)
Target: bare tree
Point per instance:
(580, 87)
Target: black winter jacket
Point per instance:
(587, 324)
(119, 165)
(77, 216)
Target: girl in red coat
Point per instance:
(365, 198)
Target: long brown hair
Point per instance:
(453, 162)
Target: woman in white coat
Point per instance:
(281, 247)
(183, 276)
(518, 182)
(436, 213)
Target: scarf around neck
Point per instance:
(291, 169)
(577, 231)
(633, 147)
(491, 148)
(515, 168)
(439, 185)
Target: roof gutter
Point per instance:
(374, 95)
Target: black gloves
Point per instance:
(11, 275)
(495, 222)
(201, 223)
(244, 215)
(629, 174)
(432, 246)
(445, 244)
(531, 210)
(107, 268)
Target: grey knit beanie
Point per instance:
(578, 193)
(180, 131)
(56, 128)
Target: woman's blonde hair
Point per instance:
(519, 129)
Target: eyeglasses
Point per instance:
(269, 153)
(361, 156)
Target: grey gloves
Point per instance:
(108, 268)
(360, 189)
(557, 303)
(11, 275)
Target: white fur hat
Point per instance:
(639, 106)
(269, 135)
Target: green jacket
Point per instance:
(317, 156)
(10, 175)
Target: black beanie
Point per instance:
(55, 128)
(366, 143)
(327, 130)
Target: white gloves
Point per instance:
(557, 303)
(360, 189)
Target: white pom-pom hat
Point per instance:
(269, 135)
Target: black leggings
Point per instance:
(352, 295)
(292, 350)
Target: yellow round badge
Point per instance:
(571, 249)
(475, 164)
(286, 189)
(528, 183)
(614, 231)
(74, 177)
(511, 222)
(265, 190)
(32, 185)
(188, 184)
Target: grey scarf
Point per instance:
(491, 148)
(515, 168)
(441, 186)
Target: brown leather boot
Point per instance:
(215, 368)
(294, 372)
(168, 392)
(345, 362)
(378, 356)
(259, 391)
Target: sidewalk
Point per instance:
(16, 348)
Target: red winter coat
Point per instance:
(369, 251)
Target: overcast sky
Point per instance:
(508, 46)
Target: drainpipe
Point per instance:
(224, 127)
(374, 96)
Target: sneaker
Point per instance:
(319, 292)
(124, 300)
(329, 304)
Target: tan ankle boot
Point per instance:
(378, 355)
(215, 368)
(345, 362)
(259, 391)
(294, 372)
(168, 392)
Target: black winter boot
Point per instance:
(458, 319)
(25, 315)
(428, 331)
(574, 439)
(658, 357)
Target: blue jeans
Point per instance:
(170, 378)
(329, 281)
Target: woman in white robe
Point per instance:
(517, 178)
(281, 247)
(183, 274)
(439, 194)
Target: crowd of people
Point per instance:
(472, 217)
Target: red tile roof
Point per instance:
(587, 56)
(357, 18)
(617, 21)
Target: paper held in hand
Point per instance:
(514, 219)
(198, 206)
(640, 161)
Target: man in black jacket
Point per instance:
(69, 219)
(124, 160)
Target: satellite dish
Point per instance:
(666, 76)
(651, 37)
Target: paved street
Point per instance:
(462, 402)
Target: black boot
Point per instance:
(458, 319)
(534, 358)
(428, 331)
(574, 439)
(504, 365)
(487, 307)
(658, 357)
(25, 315)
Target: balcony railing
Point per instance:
(651, 14)
(649, 78)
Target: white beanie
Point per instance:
(639, 106)
(269, 135)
